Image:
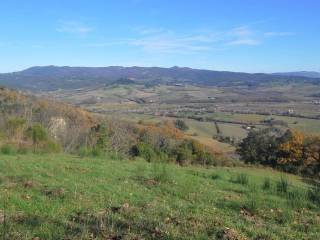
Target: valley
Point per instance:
(235, 110)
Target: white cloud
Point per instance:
(74, 27)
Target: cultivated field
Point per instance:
(234, 110)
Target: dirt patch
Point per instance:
(30, 184)
(229, 234)
(54, 192)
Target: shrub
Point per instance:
(145, 151)
(183, 155)
(51, 146)
(204, 158)
(37, 133)
(8, 149)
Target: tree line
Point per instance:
(290, 150)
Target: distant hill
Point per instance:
(300, 74)
(52, 77)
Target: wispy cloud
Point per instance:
(243, 35)
(249, 42)
(73, 27)
(158, 40)
(172, 43)
(278, 34)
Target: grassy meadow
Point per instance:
(67, 197)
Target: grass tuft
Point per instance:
(266, 185)
(8, 150)
(282, 185)
(296, 198)
(313, 195)
(161, 173)
(241, 178)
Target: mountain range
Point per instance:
(309, 74)
(49, 78)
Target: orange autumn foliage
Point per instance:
(291, 151)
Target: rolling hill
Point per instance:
(52, 77)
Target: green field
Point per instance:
(67, 197)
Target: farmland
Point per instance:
(235, 111)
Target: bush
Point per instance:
(183, 155)
(204, 158)
(38, 134)
(51, 146)
(8, 149)
(145, 151)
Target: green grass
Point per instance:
(67, 197)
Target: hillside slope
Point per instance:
(65, 197)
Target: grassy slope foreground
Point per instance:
(66, 197)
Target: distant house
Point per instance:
(290, 111)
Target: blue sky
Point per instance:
(236, 35)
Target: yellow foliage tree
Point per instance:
(292, 149)
(312, 153)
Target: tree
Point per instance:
(312, 155)
(291, 149)
(37, 133)
(181, 125)
(260, 147)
